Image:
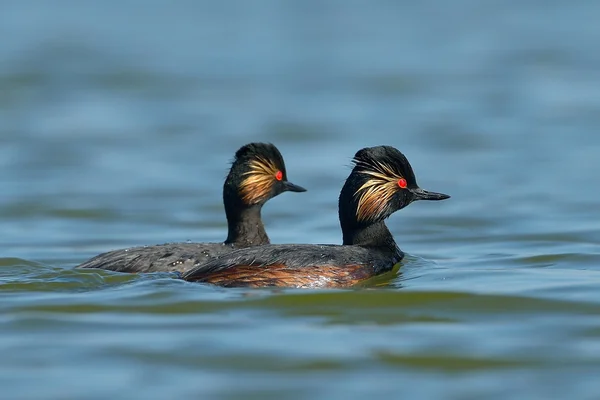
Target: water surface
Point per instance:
(117, 125)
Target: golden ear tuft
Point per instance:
(259, 180)
(377, 191)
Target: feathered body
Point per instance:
(381, 182)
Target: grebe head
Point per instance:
(257, 174)
(381, 182)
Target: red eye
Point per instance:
(402, 183)
(279, 175)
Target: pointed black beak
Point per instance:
(290, 187)
(421, 194)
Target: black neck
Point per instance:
(371, 235)
(245, 227)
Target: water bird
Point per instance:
(257, 174)
(382, 182)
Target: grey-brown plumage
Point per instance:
(381, 182)
(296, 265)
(257, 174)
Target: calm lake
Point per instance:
(118, 121)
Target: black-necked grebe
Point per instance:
(257, 174)
(381, 182)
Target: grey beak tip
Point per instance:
(289, 186)
(421, 194)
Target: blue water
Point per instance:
(118, 121)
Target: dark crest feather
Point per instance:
(262, 162)
(381, 168)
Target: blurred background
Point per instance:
(118, 121)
